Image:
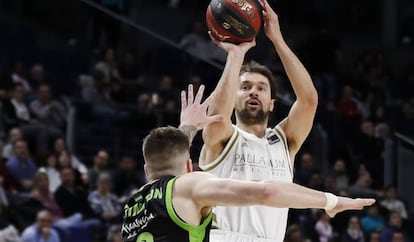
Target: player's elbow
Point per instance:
(312, 98)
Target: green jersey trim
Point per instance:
(195, 233)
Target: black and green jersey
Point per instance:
(149, 216)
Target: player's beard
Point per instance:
(252, 117)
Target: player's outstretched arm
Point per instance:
(216, 134)
(193, 116)
(207, 190)
(300, 118)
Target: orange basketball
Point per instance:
(234, 21)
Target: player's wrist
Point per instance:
(331, 201)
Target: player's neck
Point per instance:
(257, 129)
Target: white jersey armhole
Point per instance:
(229, 146)
(282, 135)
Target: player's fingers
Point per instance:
(183, 100)
(368, 202)
(199, 95)
(213, 39)
(190, 94)
(265, 16)
(261, 3)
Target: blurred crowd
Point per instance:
(46, 186)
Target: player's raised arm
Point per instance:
(193, 115)
(300, 118)
(215, 135)
(207, 190)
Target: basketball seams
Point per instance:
(231, 13)
(241, 27)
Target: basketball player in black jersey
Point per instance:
(175, 205)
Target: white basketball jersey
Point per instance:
(247, 157)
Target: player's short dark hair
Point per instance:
(253, 66)
(163, 145)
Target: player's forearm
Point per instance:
(299, 77)
(291, 195)
(225, 92)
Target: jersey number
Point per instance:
(145, 237)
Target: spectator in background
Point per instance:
(392, 204)
(196, 42)
(8, 117)
(166, 90)
(70, 197)
(329, 184)
(104, 203)
(368, 150)
(373, 220)
(64, 160)
(37, 76)
(374, 237)
(108, 67)
(98, 92)
(305, 170)
(42, 230)
(14, 135)
(52, 172)
(323, 227)
(9, 234)
(47, 111)
(128, 67)
(348, 109)
(100, 164)
(398, 236)
(41, 192)
(367, 106)
(315, 181)
(19, 104)
(21, 166)
(395, 224)
(59, 145)
(405, 122)
(114, 234)
(127, 177)
(362, 187)
(293, 234)
(36, 133)
(6, 180)
(340, 174)
(353, 233)
(18, 77)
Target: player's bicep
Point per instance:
(215, 137)
(298, 124)
(217, 132)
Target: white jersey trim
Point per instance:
(281, 133)
(230, 144)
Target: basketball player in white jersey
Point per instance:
(250, 150)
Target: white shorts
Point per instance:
(218, 235)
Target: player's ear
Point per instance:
(272, 105)
(146, 170)
(189, 165)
